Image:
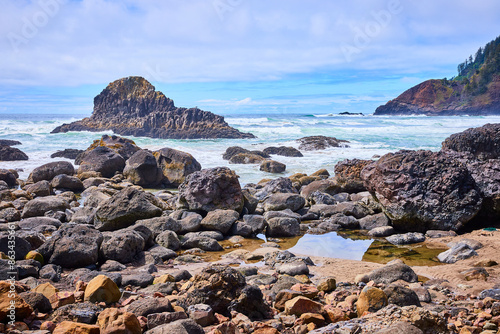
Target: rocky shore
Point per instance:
(93, 250)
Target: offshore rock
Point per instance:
(8, 153)
(315, 143)
(131, 106)
(423, 190)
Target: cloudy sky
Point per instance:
(235, 56)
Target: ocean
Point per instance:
(368, 136)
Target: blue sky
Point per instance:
(234, 56)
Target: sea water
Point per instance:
(368, 136)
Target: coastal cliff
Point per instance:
(132, 107)
(475, 91)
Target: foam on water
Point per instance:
(369, 136)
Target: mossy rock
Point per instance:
(34, 255)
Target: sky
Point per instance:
(235, 56)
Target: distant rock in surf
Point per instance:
(314, 143)
(131, 106)
(8, 153)
(8, 142)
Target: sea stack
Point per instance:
(132, 107)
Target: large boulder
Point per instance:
(246, 158)
(487, 176)
(483, 142)
(283, 201)
(423, 190)
(279, 185)
(49, 171)
(8, 153)
(121, 245)
(210, 189)
(72, 246)
(102, 160)
(141, 169)
(63, 181)
(68, 153)
(235, 150)
(223, 289)
(38, 206)
(175, 165)
(183, 326)
(126, 207)
(393, 272)
(283, 227)
(272, 166)
(348, 175)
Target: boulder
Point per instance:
(85, 312)
(422, 190)
(202, 314)
(21, 246)
(400, 327)
(401, 296)
(459, 252)
(141, 280)
(114, 321)
(481, 142)
(175, 165)
(8, 153)
(183, 326)
(283, 227)
(406, 238)
(8, 142)
(282, 201)
(272, 166)
(121, 245)
(39, 206)
(102, 160)
(286, 151)
(63, 181)
(68, 153)
(163, 223)
(126, 207)
(374, 221)
(21, 308)
(217, 286)
(293, 269)
(49, 171)
(234, 150)
(72, 246)
(168, 239)
(220, 220)
(122, 146)
(250, 302)
(279, 185)
(75, 327)
(246, 158)
(327, 186)
(315, 143)
(300, 305)
(203, 243)
(348, 175)
(382, 231)
(102, 289)
(40, 188)
(37, 301)
(141, 169)
(211, 189)
(8, 177)
(371, 299)
(393, 272)
(146, 306)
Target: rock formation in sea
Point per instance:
(475, 91)
(131, 106)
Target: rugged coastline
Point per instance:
(95, 252)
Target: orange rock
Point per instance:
(317, 319)
(48, 326)
(46, 289)
(311, 326)
(69, 327)
(115, 321)
(266, 330)
(164, 279)
(470, 330)
(102, 289)
(335, 314)
(11, 305)
(371, 299)
(300, 305)
(309, 291)
(62, 298)
(327, 284)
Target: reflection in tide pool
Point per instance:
(331, 245)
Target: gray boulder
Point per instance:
(203, 243)
(282, 201)
(456, 253)
(220, 220)
(175, 165)
(373, 221)
(211, 189)
(272, 166)
(39, 206)
(121, 246)
(49, 171)
(406, 238)
(102, 160)
(168, 239)
(183, 326)
(68, 182)
(141, 169)
(393, 272)
(72, 246)
(283, 227)
(125, 208)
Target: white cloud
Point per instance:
(97, 41)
